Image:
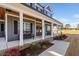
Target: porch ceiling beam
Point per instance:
(2, 20)
(12, 15)
(28, 18)
(23, 17)
(32, 20)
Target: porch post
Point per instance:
(6, 29)
(43, 30)
(21, 28)
(56, 30)
(51, 29)
(35, 29)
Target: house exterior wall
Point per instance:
(21, 9)
(11, 35)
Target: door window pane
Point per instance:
(2, 27)
(15, 27)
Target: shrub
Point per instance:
(44, 46)
(36, 47)
(33, 43)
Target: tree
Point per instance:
(67, 26)
(77, 26)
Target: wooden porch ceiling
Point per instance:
(16, 14)
(2, 13)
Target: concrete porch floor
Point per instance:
(3, 44)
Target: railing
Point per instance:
(31, 5)
(48, 33)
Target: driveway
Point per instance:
(73, 49)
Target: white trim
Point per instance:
(32, 20)
(21, 28)
(6, 29)
(24, 18)
(43, 29)
(51, 29)
(35, 29)
(2, 20)
(12, 15)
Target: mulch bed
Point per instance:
(30, 52)
(33, 50)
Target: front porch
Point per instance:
(4, 45)
(20, 29)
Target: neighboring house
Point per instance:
(22, 22)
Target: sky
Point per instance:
(67, 13)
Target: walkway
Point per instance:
(58, 49)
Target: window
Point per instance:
(45, 12)
(36, 8)
(15, 27)
(27, 27)
(28, 4)
(38, 30)
(40, 10)
(48, 30)
(2, 27)
(50, 15)
(33, 5)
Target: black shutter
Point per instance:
(15, 27)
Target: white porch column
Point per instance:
(6, 29)
(57, 30)
(21, 28)
(51, 29)
(43, 30)
(35, 29)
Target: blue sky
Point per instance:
(67, 13)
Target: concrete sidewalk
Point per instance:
(58, 49)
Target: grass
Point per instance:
(70, 31)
